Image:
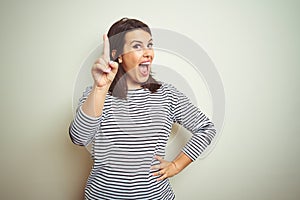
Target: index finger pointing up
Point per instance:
(106, 48)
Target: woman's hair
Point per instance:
(116, 35)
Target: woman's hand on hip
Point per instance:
(165, 169)
(104, 70)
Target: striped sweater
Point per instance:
(129, 133)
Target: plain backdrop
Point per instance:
(254, 44)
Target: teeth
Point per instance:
(145, 63)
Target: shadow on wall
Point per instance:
(41, 162)
(67, 166)
(77, 165)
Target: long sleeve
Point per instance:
(190, 117)
(83, 127)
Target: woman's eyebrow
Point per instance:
(138, 41)
(133, 41)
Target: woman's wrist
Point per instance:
(176, 166)
(181, 161)
(102, 88)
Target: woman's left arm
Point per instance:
(202, 128)
(169, 169)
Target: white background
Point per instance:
(254, 45)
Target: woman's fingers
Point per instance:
(106, 49)
(101, 67)
(104, 70)
(114, 66)
(164, 176)
(164, 173)
(156, 167)
(160, 159)
(166, 169)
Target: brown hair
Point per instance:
(116, 35)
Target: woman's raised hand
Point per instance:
(104, 70)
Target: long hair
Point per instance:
(116, 35)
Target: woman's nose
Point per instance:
(148, 52)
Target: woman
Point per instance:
(128, 115)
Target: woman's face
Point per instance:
(137, 57)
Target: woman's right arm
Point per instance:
(87, 118)
(104, 72)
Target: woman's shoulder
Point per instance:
(168, 87)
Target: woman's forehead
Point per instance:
(137, 35)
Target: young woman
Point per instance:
(128, 115)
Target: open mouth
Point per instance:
(144, 68)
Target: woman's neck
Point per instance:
(131, 85)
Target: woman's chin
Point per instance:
(139, 80)
(143, 79)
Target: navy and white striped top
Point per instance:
(129, 133)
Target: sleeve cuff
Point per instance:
(87, 117)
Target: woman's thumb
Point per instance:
(114, 65)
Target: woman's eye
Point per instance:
(137, 46)
(140, 46)
(150, 45)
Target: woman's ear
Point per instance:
(120, 59)
(114, 54)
